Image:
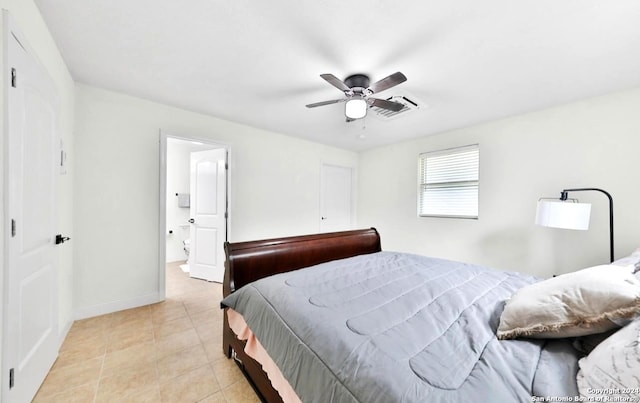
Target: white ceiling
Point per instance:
(258, 62)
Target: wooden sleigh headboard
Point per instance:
(250, 261)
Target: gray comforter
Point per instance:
(392, 327)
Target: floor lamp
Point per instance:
(570, 214)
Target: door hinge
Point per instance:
(13, 228)
(11, 378)
(13, 77)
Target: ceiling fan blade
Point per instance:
(333, 101)
(336, 82)
(384, 104)
(388, 82)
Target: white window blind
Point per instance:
(449, 181)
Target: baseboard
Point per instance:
(115, 306)
(63, 334)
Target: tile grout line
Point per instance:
(104, 355)
(155, 358)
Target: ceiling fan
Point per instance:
(358, 91)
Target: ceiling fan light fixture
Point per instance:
(356, 108)
(357, 91)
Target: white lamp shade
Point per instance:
(356, 108)
(567, 215)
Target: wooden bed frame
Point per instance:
(250, 261)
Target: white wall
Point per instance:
(27, 17)
(274, 180)
(591, 143)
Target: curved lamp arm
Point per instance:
(564, 195)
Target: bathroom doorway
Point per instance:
(193, 208)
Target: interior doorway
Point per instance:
(193, 207)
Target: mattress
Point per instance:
(394, 327)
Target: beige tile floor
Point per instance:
(166, 352)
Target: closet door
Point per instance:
(31, 311)
(336, 198)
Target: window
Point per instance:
(449, 181)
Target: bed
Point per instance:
(250, 261)
(344, 321)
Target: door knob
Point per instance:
(323, 218)
(192, 221)
(61, 239)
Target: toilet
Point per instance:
(186, 246)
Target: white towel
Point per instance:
(183, 200)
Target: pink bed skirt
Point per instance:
(255, 350)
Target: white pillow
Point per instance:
(584, 302)
(632, 260)
(612, 369)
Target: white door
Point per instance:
(208, 211)
(30, 315)
(335, 198)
